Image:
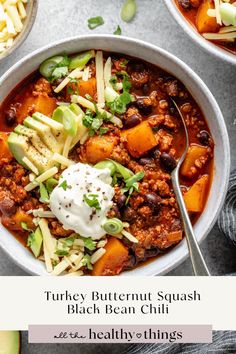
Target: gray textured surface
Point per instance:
(59, 19)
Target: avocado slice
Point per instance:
(35, 242)
(56, 127)
(9, 342)
(34, 139)
(20, 148)
(45, 134)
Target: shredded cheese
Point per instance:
(75, 274)
(219, 36)
(60, 267)
(107, 72)
(62, 160)
(30, 165)
(47, 259)
(67, 145)
(75, 74)
(100, 78)
(85, 75)
(217, 9)
(97, 255)
(129, 236)
(48, 239)
(43, 177)
(227, 29)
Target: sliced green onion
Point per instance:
(51, 183)
(128, 10)
(44, 197)
(228, 13)
(106, 164)
(48, 66)
(94, 22)
(80, 60)
(113, 226)
(86, 261)
(64, 115)
(76, 109)
(35, 242)
(118, 31)
(123, 171)
(134, 179)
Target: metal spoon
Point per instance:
(198, 263)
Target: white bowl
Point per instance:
(208, 46)
(201, 94)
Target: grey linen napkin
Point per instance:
(227, 219)
(222, 343)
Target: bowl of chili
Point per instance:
(209, 23)
(88, 145)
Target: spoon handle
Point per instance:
(198, 263)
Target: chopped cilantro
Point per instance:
(86, 261)
(117, 31)
(89, 243)
(113, 81)
(92, 201)
(59, 72)
(73, 80)
(64, 185)
(124, 63)
(70, 91)
(94, 22)
(131, 184)
(103, 131)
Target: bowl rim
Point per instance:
(27, 27)
(151, 268)
(208, 46)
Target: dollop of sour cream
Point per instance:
(78, 183)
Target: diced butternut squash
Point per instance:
(112, 262)
(194, 153)
(195, 197)
(99, 148)
(14, 222)
(40, 103)
(139, 139)
(83, 88)
(175, 236)
(4, 149)
(204, 22)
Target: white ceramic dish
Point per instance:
(31, 10)
(199, 91)
(197, 38)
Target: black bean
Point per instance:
(168, 161)
(145, 89)
(152, 252)
(144, 106)
(153, 200)
(132, 121)
(10, 117)
(204, 137)
(156, 154)
(129, 214)
(137, 66)
(146, 161)
(132, 262)
(7, 207)
(121, 201)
